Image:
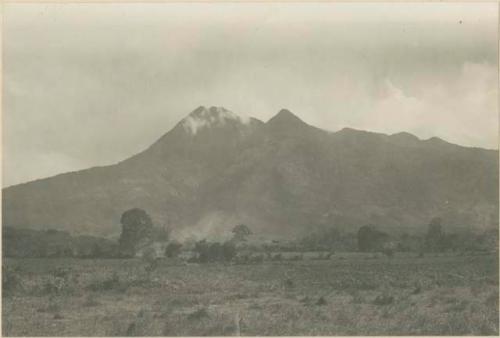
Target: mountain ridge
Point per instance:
(280, 177)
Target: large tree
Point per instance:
(241, 232)
(435, 237)
(136, 226)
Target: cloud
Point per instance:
(463, 111)
(96, 84)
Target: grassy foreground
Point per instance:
(347, 295)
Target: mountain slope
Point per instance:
(215, 169)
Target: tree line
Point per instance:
(139, 235)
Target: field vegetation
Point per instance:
(346, 294)
(327, 283)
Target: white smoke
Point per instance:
(213, 226)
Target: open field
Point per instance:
(346, 295)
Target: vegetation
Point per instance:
(173, 249)
(136, 226)
(350, 294)
(435, 239)
(242, 286)
(241, 232)
(371, 239)
(29, 243)
(214, 252)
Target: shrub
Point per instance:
(202, 249)
(59, 281)
(288, 283)
(296, 257)
(214, 252)
(173, 249)
(321, 301)
(383, 299)
(434, 239)
(370, 238)
(228, 251)
(150, 260)
(111, 283)
(61, 272)
(54, 285)
(52, 307)
(199, 314)
(192, 260)
(277, 257)
(257, 259)
(241, 232)
(90, 301)
(388, 252)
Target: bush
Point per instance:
(59, 281)
(228, 251)
(55, 285)
(199, 314)
(90, 301)
(277, 257)
(61, 272)
(202, 249)
(52, 307)
(215, 252)
(388, 252)
(150, 260)
(173, 249)
(257, 259)
(383, 299)
(371, 239)
(288, 283)
(321, 301)
(111, 283)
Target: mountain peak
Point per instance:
(285, 117)
(439, 142)
(203, 117)
(285, 113)
(405, 137)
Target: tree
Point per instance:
(215, 252)
(371, 239)
(324, 238)
(202, 249)
(173, 249)
(96, 251)
(241, 232)
(228, 251)
(136, 227)
(150, 260)
(435, 238)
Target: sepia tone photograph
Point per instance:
(250, 169)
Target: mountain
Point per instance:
(215, 169)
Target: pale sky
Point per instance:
(92, 84)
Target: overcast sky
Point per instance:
(91, 84)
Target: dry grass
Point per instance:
(450, 295)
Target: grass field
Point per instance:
(346, 295)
